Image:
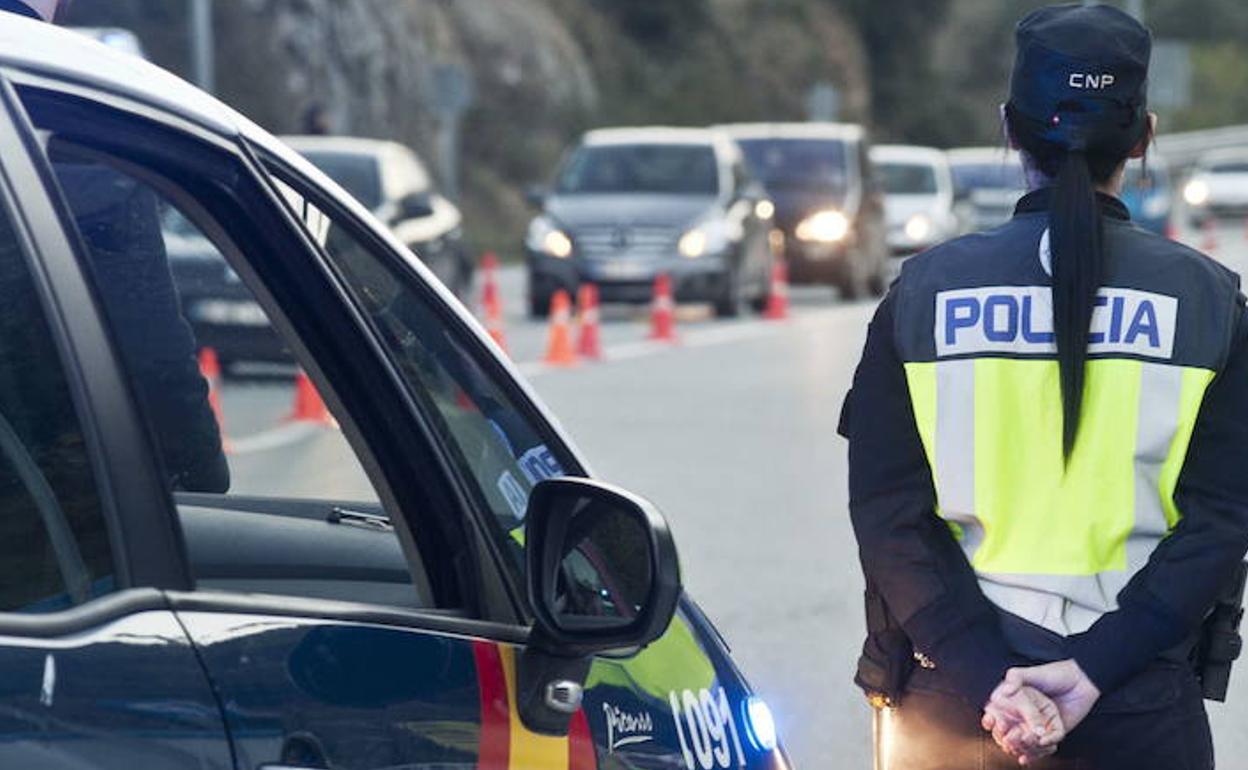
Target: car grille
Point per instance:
(625, 240)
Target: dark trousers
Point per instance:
(1156, 721)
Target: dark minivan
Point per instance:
(828, 204)
(629, 204)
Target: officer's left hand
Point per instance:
(1025, 723)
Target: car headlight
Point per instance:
(1196, 193)
(693, 243)
(710, 236)
(918, 227)
(827, 226)
(764, 209)
(545, 237)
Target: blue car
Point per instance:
(1148, 195)
(479, 601)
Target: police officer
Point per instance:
(120, 225)
(1048, 438)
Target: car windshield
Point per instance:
(358, 174)
(908, 178)
(678, 169)
(997, 175)
(785, 163)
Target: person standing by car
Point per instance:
(120, 224)
(1047, 436)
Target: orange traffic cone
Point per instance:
(778, 292)
(491, 302)
(1209, 243)
(210, 370)
(663, 310)
(308, 405)
(589, 341)
(559, 350)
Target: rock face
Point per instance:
(540, 70)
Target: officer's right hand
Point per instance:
(1063, 681)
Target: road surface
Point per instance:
(733, 435)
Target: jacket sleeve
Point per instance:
(908, 553)
(1165, 602)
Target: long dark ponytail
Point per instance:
(1076, 249)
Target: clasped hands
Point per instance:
(1033, 709)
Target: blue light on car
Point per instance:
(760, 725)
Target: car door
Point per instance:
(95, 670)
(677, 703)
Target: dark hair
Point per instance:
(1075, 245)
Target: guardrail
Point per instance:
(1181, 150)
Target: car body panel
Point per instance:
(377, 689)
(988, 181)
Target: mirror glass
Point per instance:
(604, 575)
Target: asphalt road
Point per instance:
(732, 434)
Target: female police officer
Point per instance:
(1049, 444)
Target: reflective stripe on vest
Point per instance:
(1051, 542)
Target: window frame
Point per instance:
(381, 244)
(144, 547)
(347, 353)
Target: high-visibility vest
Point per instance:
(1054, 541)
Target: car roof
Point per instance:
(651, 135)
(846, 132)
(1223, 155)
(908, 153)
(982, 155)
(346, 145)
(39, 48)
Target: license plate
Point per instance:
(624, 270)
(226, 313)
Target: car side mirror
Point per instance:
(603, 575)
(535, 195)
(416, 206)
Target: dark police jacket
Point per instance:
(923, 591)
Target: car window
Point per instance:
(273, 498)
(681, 169)
(501, 449)
(817, 164)
(907, 178)
(54, 545)
(357, 172)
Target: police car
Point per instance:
(487, 604)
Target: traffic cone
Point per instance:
(663, 310)
(491, 302)
(1209, 243)
(1171, 231)
(589, 341)
(778, 292)
(559, 350)
(210, 370)
(308, 405)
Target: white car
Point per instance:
(392, 182)
(918, 196)
(987, 182)
(1218, 187)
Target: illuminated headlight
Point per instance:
(764, 209)
(545, 237)
(918, 228)
(760, 725)
(823, 227)
(693, 243)
(1196, 193)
